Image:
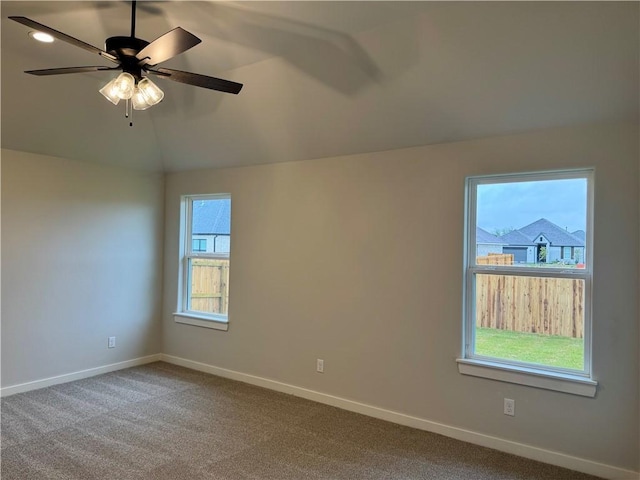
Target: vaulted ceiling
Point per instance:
(320, 78)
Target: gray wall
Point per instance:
(358, 260)
(81, 261)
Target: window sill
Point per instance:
(201, 321)
(560, 382)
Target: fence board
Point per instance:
(210, 285)
(496, 259)
(548, 306)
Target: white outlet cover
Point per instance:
(509, 407)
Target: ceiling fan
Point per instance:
(136, 57)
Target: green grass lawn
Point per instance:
(553, 351)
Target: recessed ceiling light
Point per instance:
(41, 37)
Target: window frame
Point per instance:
(183, 313)
(579, 382)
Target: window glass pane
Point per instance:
(206, 279)
(530, 319)
(532, 223)
(199, 245)
(211, 225)
(209, 285)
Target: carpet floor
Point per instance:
(160, 421)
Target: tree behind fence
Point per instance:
(210, 285)
(549, 306)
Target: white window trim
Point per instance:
(182, 314)
(532, 377)
(201, 321)
(558, 379)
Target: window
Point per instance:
(199, 245)
(527, 305)
(203, 297)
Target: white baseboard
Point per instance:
(508, 446)
(70, 377)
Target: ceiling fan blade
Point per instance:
(64, 37)
(198, 80)
(167, 46)
(61, 71)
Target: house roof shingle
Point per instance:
(581, 234)
(482, 236)
(516, 237)
(556, 235)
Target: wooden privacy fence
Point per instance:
(496, 259)
(210, 285)
(548, 306)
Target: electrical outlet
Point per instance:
(320, 365)
(112, 342)
(509, 407)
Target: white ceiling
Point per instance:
(321, 78)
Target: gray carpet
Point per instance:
(160, 421)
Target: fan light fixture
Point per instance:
(110, 92)
(149, 92)
(143, 95)
(136, 58)
(120, 88)
(139, 101)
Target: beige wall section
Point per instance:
(81, 261)
(358, 260)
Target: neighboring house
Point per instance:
(539, 242)
(487, 243)
(211, 227)
(520, 246)
(579, 234)
(557, 243)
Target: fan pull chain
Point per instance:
(128, 112)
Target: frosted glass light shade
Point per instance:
(124, 85)
(138, 100)
(152, 94)
(110, 92)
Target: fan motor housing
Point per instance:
(123, 47)
(126, 49)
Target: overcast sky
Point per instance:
(518, 204)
